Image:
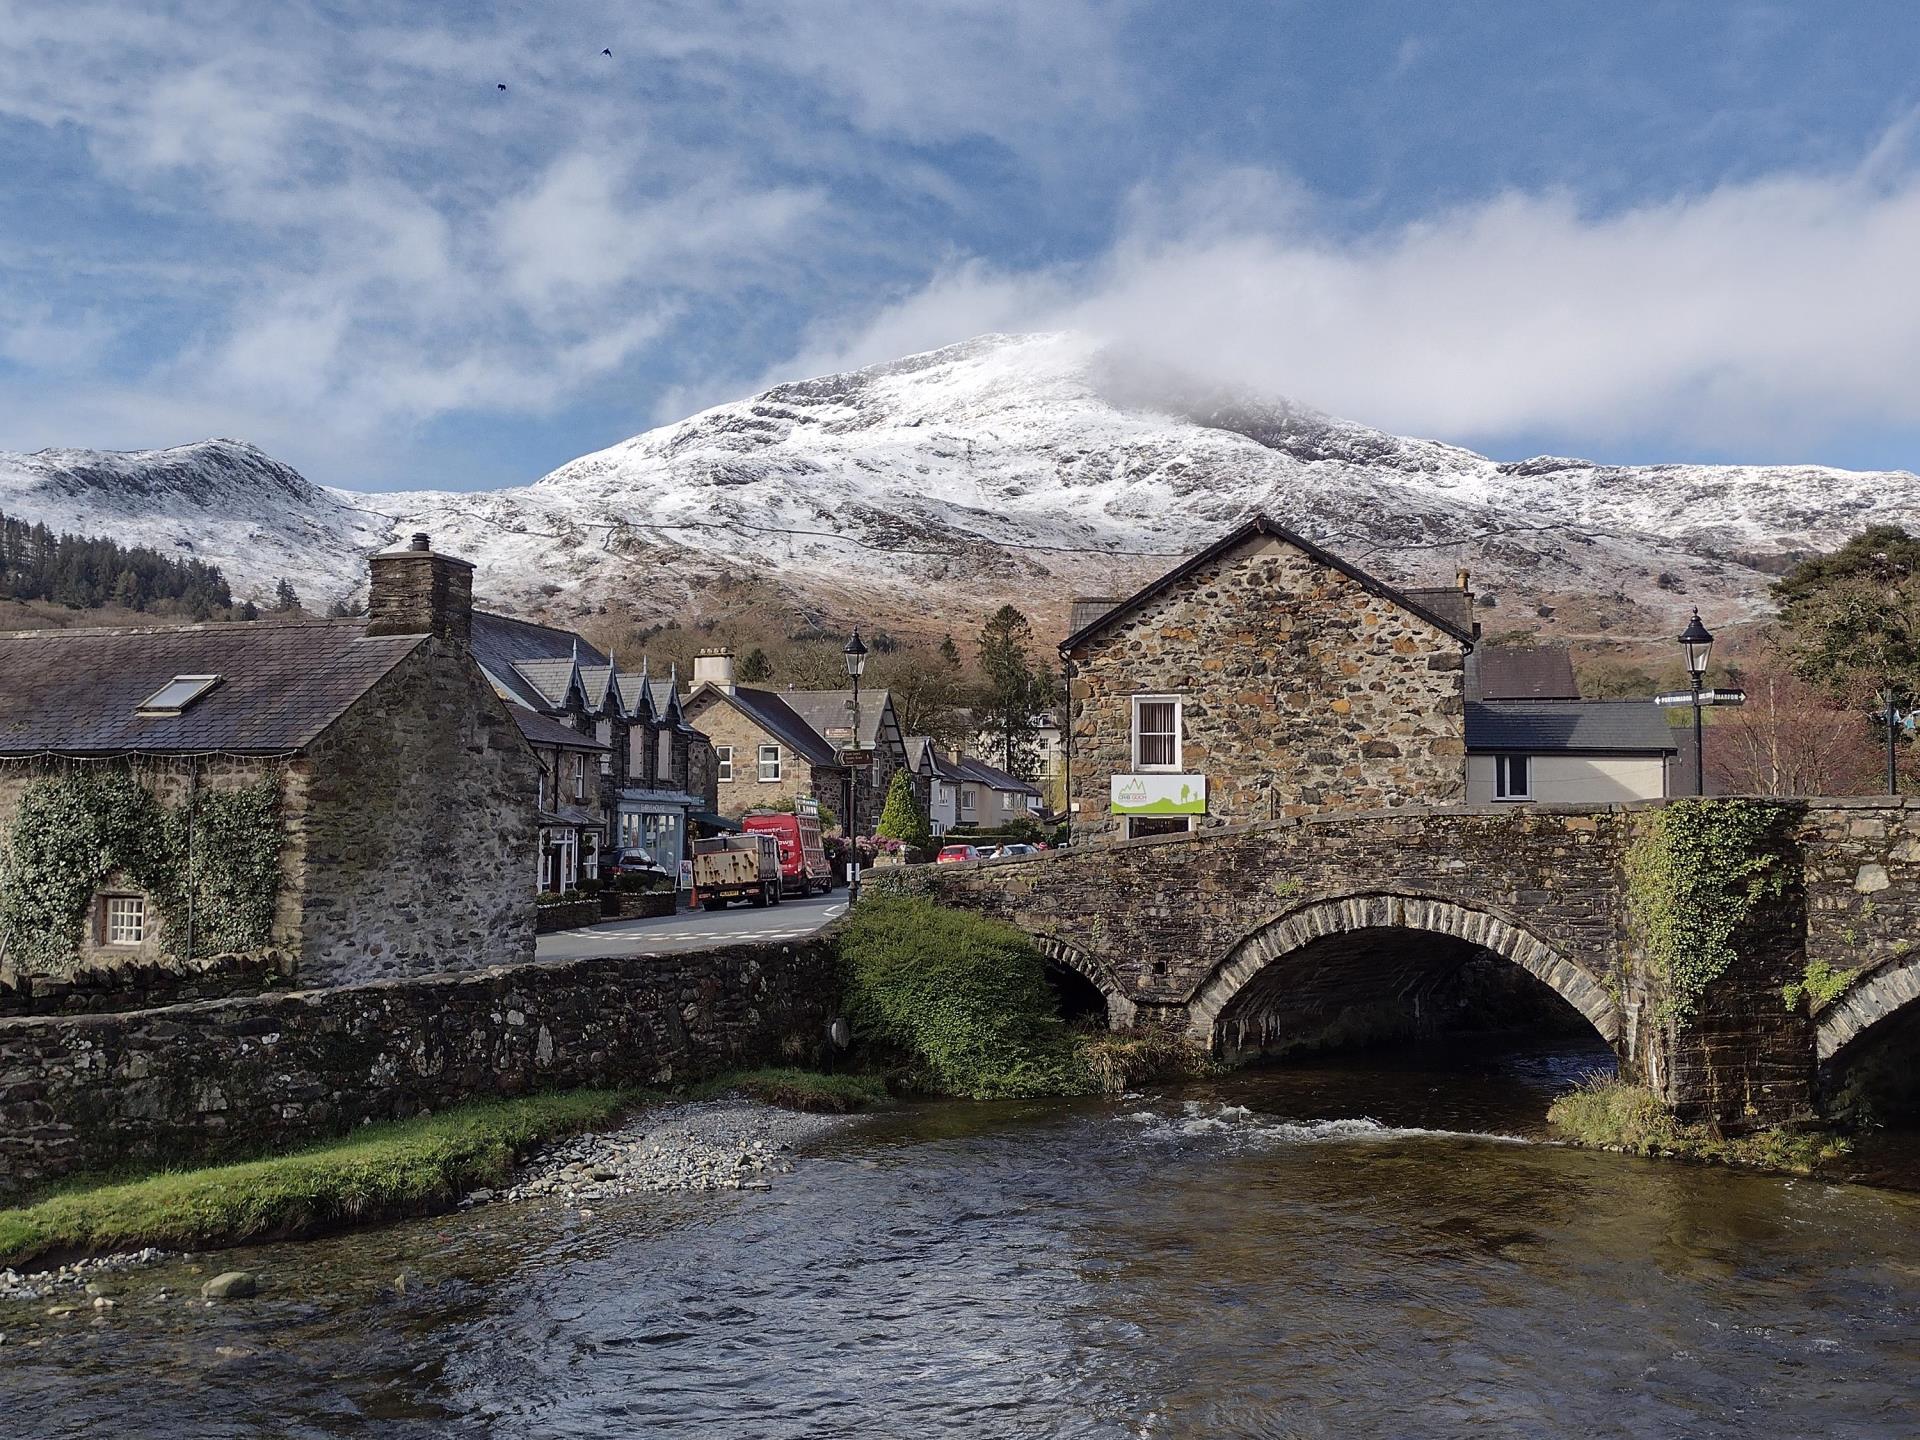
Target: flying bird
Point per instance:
(501, 86)
(607, 53)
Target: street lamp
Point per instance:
(856, 657)
(1698, 644)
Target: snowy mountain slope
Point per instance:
(1008, 467)
(222, 501)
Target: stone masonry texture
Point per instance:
(1243, 936)
(243, 1076)
(1302, 691)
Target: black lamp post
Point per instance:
(856, 657)
(1699, 645)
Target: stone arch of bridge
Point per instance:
(1271, 943)
(1876, 997)
(1120, 1007)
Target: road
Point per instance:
(695, 929)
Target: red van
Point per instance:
(803, 860)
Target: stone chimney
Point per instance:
(418, 592)
(714, 667)
(1463, 580)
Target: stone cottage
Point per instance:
(1264, 677)
(203, 809)
(772, 746)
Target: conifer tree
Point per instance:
(902, 818)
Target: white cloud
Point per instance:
(1781, 309)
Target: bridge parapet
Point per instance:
(1176, 927)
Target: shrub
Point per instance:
(962, 1003)
(902, 818)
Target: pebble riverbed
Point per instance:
(697, 1145)
(726, 1144)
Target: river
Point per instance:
(1341, 1249)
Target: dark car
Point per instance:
(629, 862)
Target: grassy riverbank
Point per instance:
(1614, 1115)
(380, 1172)
(809, 1090)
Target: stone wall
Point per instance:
(722, 724)
(243, 1076)
(417, 832)
(107, 975)
(1302, 691)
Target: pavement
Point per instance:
(695, 929)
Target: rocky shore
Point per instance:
(696, 1145)
(84, 1278)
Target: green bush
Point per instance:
(961, 1002)
(1614, 1114)
(902, 819)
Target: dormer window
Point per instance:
(177, 696)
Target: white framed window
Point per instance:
(579, 776)
(967, 797)
(1156, 732)
(723, 757)
(542, 801)
(125, 919)
(769, 762)
(1512, 777)
(663, 758)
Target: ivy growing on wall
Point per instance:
(1694, 877)
(76, 829)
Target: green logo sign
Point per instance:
(1159, 794)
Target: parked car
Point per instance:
(631, 862)
(1016, 848)
(950, 854)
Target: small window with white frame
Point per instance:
(769, 762)
(123, 919)
(968, 798)
(1512, 777)
(1156, 732)
(723, 759)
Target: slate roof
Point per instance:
(1266, 525)
(768, 710)
(545, 730)
(1450, 603)
(1088, 608)
(825, 710)
(282, 683)
(1523, 672)
(1568, 727)
(969, 768)
(549, 679)
(500, 642)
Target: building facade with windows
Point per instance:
(643, 790)
(772, 747)
(207, 808)
(1264, 678)
(1531, 738)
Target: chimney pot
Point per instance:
(416, 592)
(714, 667)
(1462, 579)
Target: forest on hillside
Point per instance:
(86, 572)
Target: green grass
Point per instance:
(958, 1003)
(801, 1089)
(1614, 1115)
(384, 1171)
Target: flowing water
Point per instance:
(1330, 1250)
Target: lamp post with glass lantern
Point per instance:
(855, 655)
(1698, 644)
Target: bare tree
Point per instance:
(1791, 739)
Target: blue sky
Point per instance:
(1632, 232)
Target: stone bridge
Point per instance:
(1264, 938)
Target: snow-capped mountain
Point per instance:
(1025, 467)
(223, 501)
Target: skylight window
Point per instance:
(177, 695)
